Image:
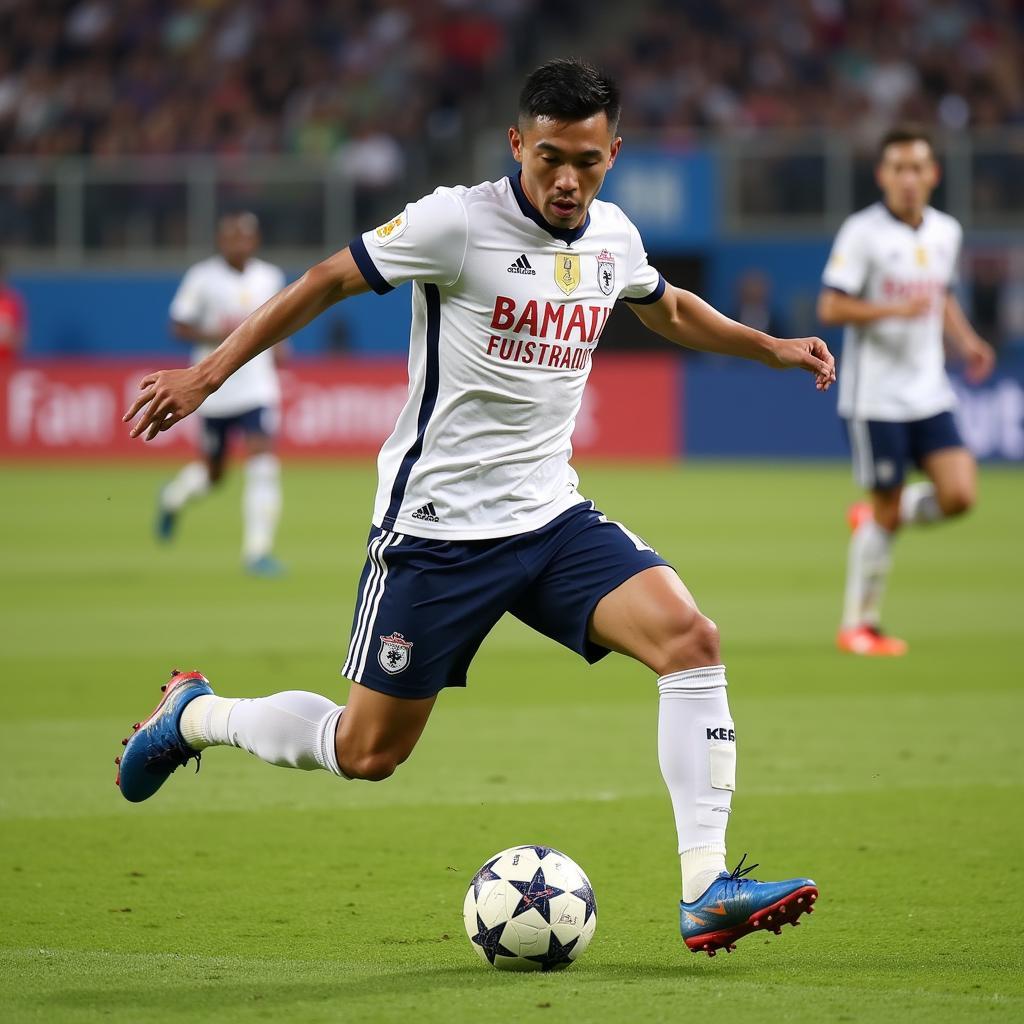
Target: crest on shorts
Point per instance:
(606, 272)
(567, 271)
(394, 654)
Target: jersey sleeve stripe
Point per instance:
(367, 267)
(646, 300)
(429, 398)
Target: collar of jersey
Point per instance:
(895, 216)
(567, 235)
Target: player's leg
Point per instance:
(261, 495)
(653, 618)
(603, 589)
(880, 450)
(367, 738)
(952, 485)
(422, 610)
(195, 479)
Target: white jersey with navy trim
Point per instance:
(506, 314)
(894, 368)
(215, 298)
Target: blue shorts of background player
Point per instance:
(424, 606)
(258, 426)
(882, 449)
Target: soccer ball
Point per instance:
(530, 908)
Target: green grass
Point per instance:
(253, 893)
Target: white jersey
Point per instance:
(894, 369)
(215, 298)
(506, 313)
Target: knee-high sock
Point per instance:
(294, 729)
(697, 754)
(193, 481)
(918, 504)
(261, 505)
(867, 570)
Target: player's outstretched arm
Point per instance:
(167, 396)
(978, 355)
(836, 308)
(684, 318)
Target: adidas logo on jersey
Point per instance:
(522, 266)
(427, 513)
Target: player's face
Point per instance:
(907, 174)
(237, 240)
(564, 164)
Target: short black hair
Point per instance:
(905, 133)
(569, 89)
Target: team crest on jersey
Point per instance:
(391, 230)
(567, 271)
(606, 272)
(921, 255)
(394, 654)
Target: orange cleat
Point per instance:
(870, 641)
(858, 514)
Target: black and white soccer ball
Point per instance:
(530, 908)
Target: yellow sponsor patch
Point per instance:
(392, 229)
(922, 256)
(567, 271)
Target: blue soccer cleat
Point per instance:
(734, 906)
(166, 521)
(266, 566)
(156, 748)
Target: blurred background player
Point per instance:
(13, 320)
(214, 297)
(888, 280)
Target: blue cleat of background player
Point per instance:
(166, 521)
(156, 747)
(266, 566)
(734, 906)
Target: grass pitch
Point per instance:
(253, 893)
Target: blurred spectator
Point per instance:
(13, 319)
(812, 64)
(754, 306)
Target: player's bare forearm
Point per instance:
(977, 354)
(168, 396)
(687, 320)
(190, 335)
(837, 308)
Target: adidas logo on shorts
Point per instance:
(427, 513)
(522, 266)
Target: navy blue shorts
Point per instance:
(424, 606)
(882, 449)
(215, 431)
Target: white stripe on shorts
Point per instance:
(863, 457)
(374, 580)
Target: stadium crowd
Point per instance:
(229, 77)
(849, 65)
(317, 77)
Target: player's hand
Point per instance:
(809, 354)
(979, 361)
(166, 396)
(912, 308)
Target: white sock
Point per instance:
(867, 569)
(294, 729)
(918, 504)
(193, 481)
(261, 505)
(697, 754)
